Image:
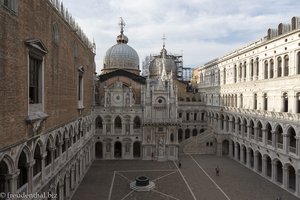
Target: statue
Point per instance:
(108, 145)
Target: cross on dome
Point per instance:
(122, 24)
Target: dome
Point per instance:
(156, 66)
(121, 55)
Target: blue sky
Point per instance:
(201, 29)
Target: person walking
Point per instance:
(179, 164)
(217, 171)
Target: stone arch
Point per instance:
(118, 149)
(251, 157)
(180, 135)
(137, 149)
(278, 170)
(268, 165)
(24, 149)
(279, 136)
(291, 174)
(99, 150)
(9, 163)
(22, 166)
(37, 156)
(194, 132)
(291, 140)
(136, 122)
(225, 147)
(98, 122)
(118, 122)
(259, 161)
(244, 151)
(187, 134)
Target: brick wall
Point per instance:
(34, 20)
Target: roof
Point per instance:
(121, 72)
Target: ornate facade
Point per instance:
(46, 127)
(253, 103)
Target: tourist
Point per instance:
(217, 171)
(179, 164)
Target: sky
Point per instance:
(200, 30)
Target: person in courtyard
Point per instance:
(217, 171)
(179, 164)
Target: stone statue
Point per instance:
(108, 146)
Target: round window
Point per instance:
(159, 101)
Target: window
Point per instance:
(279, 67)
(55, 33)
(241, 101)
(234, 73)
(285, 102)
(37, 167)
(224, 72)
(251, 70)
(136, 122)
(286, 66)
(118, 122)
(265, 106)
(255, 102)
(80, 87)
(257, 67)
(240, 71)
(266, 70)
(35, 80)
(180, 115)
(11, 5)
(245, 71)
(36, 53)
(271, 68)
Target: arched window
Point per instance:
(259, 131)
(279, 66)
(136, 122)
(285, 102)
(286, 65)
(245, 70)
(257, 67)
(172, 137)
(265, 106)
(251, 69)
(279, 137)
(22, 166)
(99, 123)
(255, 101)
(269, 134)
(240, 71)
(48, 158)
(234, 73)
(266, 69)
(179, 135)
(251, 128)
(291, 140)
(224, 73)
(271, 68)
(57, 146)
(118, 122)
(37, 167)
(55, 33)
(187, 133)
(241, 101)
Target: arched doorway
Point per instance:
(98, 150)
(118, 150)
(268, 166)
(291, 177)
(225, 147)
(136, 149)
(4, 183)
(179, 135)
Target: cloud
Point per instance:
(202, 29)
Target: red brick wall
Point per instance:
(34, 20)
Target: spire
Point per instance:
(122, 25)
(163, 51)
(122, 38)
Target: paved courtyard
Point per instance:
(195, 180)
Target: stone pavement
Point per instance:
(196, 180)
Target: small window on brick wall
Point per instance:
(35, 80)
(11, 5)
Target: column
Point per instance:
(30, 176)
(236, 151)
(274, 139)
(297, 145)
(264, 136)
(297, 183)
(255, 63)
(43, 168)
(285, 143)
(230, 149)
(236, 128)
(68, 186)
(242, 155)
(230, 125)
(285, 177)
(248, 158)
(255, 163)
(104, 128)
(264, 166)
(255, 133)
(274, 171)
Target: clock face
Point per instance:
(117, 98)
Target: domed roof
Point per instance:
(121, 55)
(156, 65)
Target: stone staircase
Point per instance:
(198, 144)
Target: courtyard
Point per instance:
(195, 180)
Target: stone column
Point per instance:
(297, 145)
(242, 155)
(274, 171)
(68, 186)
(274, 139)
(236, 151)
(264, 136)
(285, 143)
(236, 128)
(43, 167)
(248, 158)
(255, 163)
(264, 166)
(297, 183)
(230, 149)
(285, 177)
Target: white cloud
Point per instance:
(202, 29)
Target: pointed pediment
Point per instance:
(37, 45)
